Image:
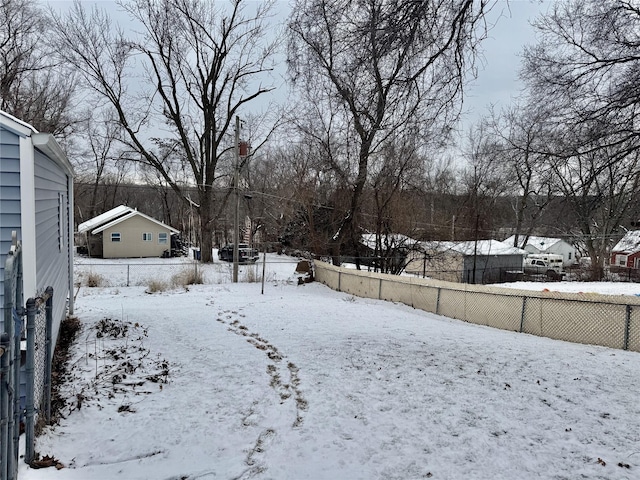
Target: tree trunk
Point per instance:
(206, 224)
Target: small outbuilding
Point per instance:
(484, 261)
(124, 232)
(36, 202)
(557, 246)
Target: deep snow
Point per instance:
(302, 382)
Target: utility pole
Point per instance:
(236, 219)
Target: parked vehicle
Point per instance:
(544, 264)
(246, 254)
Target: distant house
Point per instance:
(484, 261)
(36, 202)
(626, 253)
(124, 232)
(546, 245)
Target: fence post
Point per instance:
(339, 280)
(438, 302)
(14, 424)
(30, 380)
(128, 267)
(48, 354)
(627, 326)
(524, 307)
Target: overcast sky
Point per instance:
(498, 82)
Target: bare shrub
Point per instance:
(94, 280)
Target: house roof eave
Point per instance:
(133, 213)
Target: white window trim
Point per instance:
(61, 224)
(147, 237)
(163, 238)
(116, 235)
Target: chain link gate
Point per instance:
(33, 404)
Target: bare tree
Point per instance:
(586, 69)
(391, 172)
(178, 85)
(521, 130)
(373, 69)
(600, 185)
(98, 162)
(33, 85)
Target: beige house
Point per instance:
(124, 232)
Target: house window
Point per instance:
(622, 260)
(115, 236)
(147, 237)
(162, 238)
(570, 255)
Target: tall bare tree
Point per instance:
(178, 85)
(34, 86)
(586, 69)
(373, 69)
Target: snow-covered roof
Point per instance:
(392, 239)
(105, 217)
(540, 243)
(10, 121)
(629, 243)
(483, 247)
(115, 216)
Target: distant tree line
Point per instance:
(365, 143)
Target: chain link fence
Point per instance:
(39, 353)
(25, 389)
(113, 274)
(176, 271)
(608, 320)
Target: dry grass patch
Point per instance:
(95, 280)
(188, 276)
(156, 286)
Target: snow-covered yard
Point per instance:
(219, 381)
